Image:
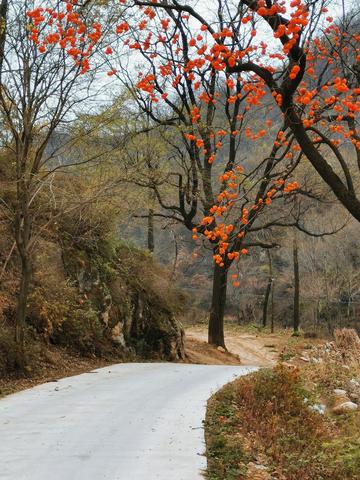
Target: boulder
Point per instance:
(354, 382)
(345, 407)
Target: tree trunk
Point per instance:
(152, 194)
(218, 302)
(272, 307)
(342, 191)
(176, 255)
(22, 301)
(268, 291)
(296, 318)
(3, 19)
(150, 231)
(266, 302)
(22, 229)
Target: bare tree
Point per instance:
(38, 92)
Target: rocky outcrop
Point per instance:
(142, 323)
(123, 298)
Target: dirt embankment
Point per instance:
(53, 363)
(245, 348)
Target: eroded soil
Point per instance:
(251, 349)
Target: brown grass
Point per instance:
(265, 419)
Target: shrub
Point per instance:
(82, 331)
(49, 305)
(13, 361)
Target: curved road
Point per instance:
(125, 422)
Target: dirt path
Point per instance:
(251, 349)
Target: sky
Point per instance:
(107, 90)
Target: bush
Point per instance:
(82, 331)
(11, 359)
(49, 305)
(56, 314)
(13, 362)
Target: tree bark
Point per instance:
(268, 290)
(23, 223)
(266, 302)
(3, 18)
(344, 194)
(272, 307)
(218, 302)
(296, 318)
(176, 254)
(150, 231)
(22, 301)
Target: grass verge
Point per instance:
(262, 427)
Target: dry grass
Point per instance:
(265, 419)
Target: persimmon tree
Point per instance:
(294, 56)
(211, 126)
(316, 75)
(309, 64)
(299, 84)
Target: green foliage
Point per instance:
(286, 356)
(349, 452)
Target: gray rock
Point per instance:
(318, 408)
(338, 392)
(354, 383)
(345, 407)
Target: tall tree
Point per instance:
(40, 88)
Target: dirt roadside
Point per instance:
(54, 363)
(249, 349)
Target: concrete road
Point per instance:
(125, 422)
